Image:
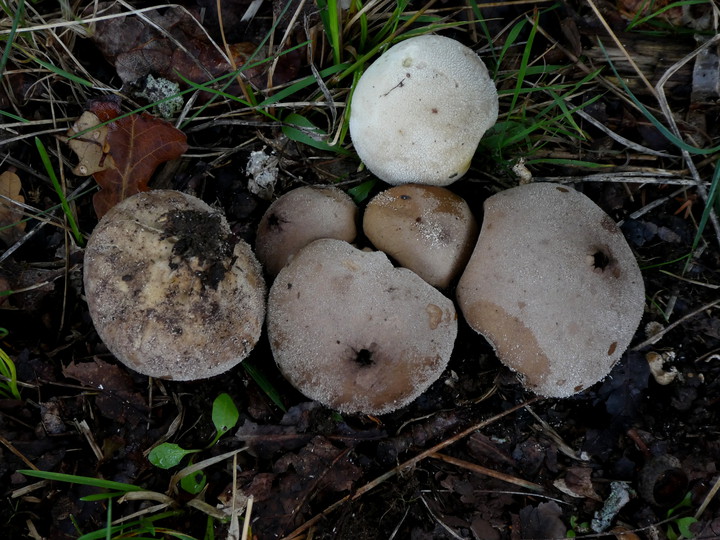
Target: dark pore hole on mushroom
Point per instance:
(275, 221)
(601, 260)
(363, 357)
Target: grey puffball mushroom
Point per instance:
(300, 216)
(428, 229)
(353, 332)
(172, 293)
(418, 112)
(554, 286)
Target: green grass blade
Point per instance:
(637, 21)
(45, 157)
(11, 36)
(266, 386)
(669, 135)
(7, 369)
(82, 480)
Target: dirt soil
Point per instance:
(476, 456)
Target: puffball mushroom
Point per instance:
(419, 111)
(172, 293)
(554, 286)
(428, 229)
(300, 216)
(353, 332)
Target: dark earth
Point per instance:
(476, 456)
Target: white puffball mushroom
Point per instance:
(172, 293)
(554, 286)
(419, 111)
(300, 216)
(353, 332)
(428, 229)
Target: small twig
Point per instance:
(620, 46)
(656, 337)
(489, 472)
(709, 497)
(17, 452)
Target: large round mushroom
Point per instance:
(554, 286)
(172, 293)
(353, 332)
(419, 111)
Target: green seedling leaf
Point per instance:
(168, 455)
(683, 525)
(224, 414)
(194, 483)
(8, 387)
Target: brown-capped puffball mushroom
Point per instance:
(428, 229)
(300, 216)
(554, 286)
(353, 332)
(418, 112)
(172, 293)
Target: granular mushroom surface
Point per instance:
(172, 293)
(419, 111)
(554, 286)
(300, 216)
(428, 229)
(355, 333)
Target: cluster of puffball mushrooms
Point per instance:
(549, 280)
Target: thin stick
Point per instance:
(709, 497)
(681, 320)
(474, 467)
(622, 48)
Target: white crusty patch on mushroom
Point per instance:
(553, 285)
(300, 216)
(172, 293)
(428, 229)
(354, 333)
(419, 111)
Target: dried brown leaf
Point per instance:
(122, 155)
(91, 148)
(11, 226)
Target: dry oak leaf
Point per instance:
(91, 148)
(133, 147)
(11, 224)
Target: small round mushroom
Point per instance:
(428, 229)
(419, 111)
(300, 216)
(554, 286)
(172, 293)
(353, 332)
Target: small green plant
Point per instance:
(577, 528)
(678, 527)
(8, 375)
(167, 455)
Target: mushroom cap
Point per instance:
(428, 229)
(419, 111)
(353, 332)
(171, 292)
(300, 216)
(554, 286)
